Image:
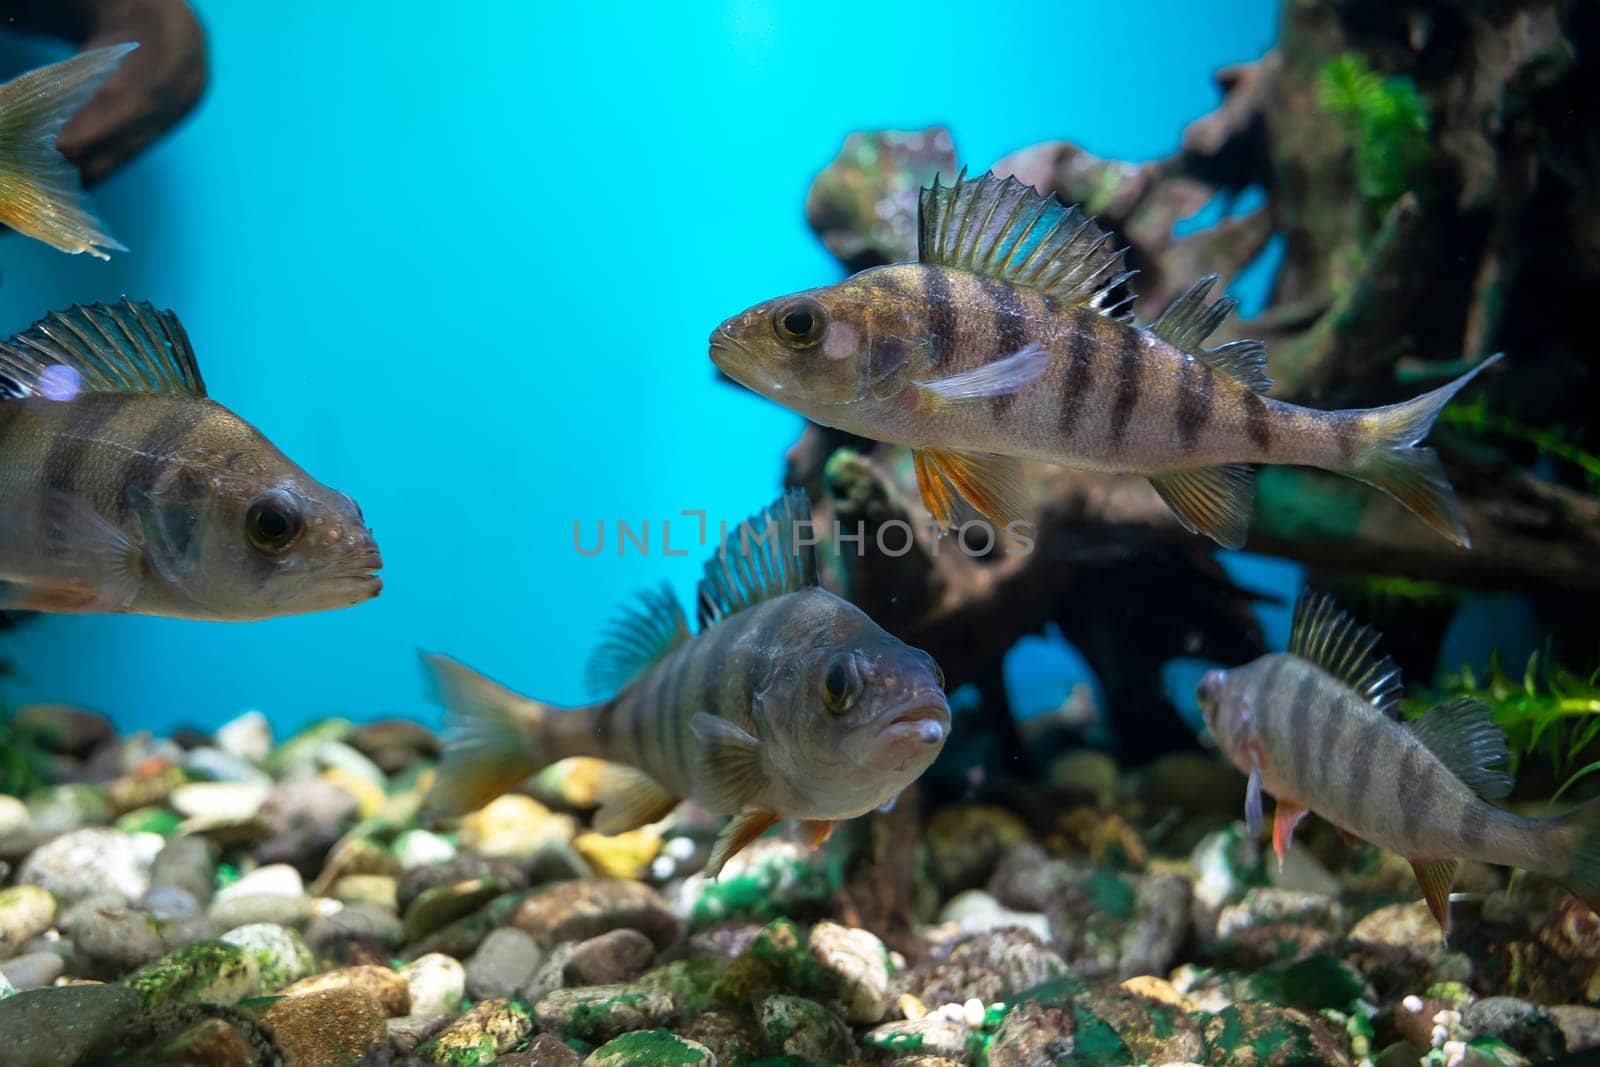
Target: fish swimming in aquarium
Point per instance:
(40, 194)
(1004, 342)
(789, 703)
(1318, 728)
(124, 488)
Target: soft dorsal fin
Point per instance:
(1189, 320)
(101, 348)
(1462, 733)
(761, 558)
(640, 635)
(1001, 228)
(1326, 636)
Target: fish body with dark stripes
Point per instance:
(40, 194)
(1318, 728)
(789, 703)
(125, 489)
(1008, 341)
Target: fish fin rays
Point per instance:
(1463, 734)
(1003, 377)
(1581, 829)
(1214, 501)
(1002, 228)
(1254, 809)
(1323, 634)
(43, 193)
(1189, 320)
(759, 559)
(814, 833)
(730, 763)
(491, 738)
(125, 347)
(641, 634)
(1412, 475)
(1436, 877)
(80, 561)
(741, 831)
(629, 799)
(991, 484)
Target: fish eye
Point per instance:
(840, 684)
(1205, 693)
(272, 522)
(800, 323)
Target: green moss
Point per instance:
(1110, 894)
(1311, 984)
(1387, 119)
(691, 983)
(1473, 416)
(648, 1048)
(206, 971)
(24, 763)
(1094, 1041)
(782, 886)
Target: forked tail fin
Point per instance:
(1581, 826)
(1392, 461)
(493, 738)
(39, 190)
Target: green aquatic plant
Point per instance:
(1550, 711)
(23, 763)
(1388, 120)
(1552, 442)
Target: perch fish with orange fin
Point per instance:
(40, 194)
(1007, 341)
(1318, 728)
(789, 703)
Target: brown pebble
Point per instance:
(387, 987)
(330, 1028)
(612, 957)
(547, 1050)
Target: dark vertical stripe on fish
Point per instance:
(1473, 827)
(941, 316)
(153, 452)
(1360, 764)
(604, 722)
(1325, 723)
(58, 473)
(1010, 330)
(1195, 387)
(1258, 422)
(1080, 377)
(1128, 365)
(1299, 718)
(1412, 797)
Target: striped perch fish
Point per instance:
(39, 190)
(1003, 343)
(123, 488)
(788, 704)
(1318, 727)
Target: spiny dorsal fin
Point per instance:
(1189, 320)
(1326, 636)
(1462, 733)
(640, 635)
(761, 558)
(1001, 228)
(101, 348)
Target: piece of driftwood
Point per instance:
(153, 89)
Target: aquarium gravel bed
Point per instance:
(239, 898)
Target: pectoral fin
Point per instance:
(1435, 877)
(63, 555)
(1285, 817)
(729, 764)
(991, 484)
(1002, 377)
(741, 830)
(815, 832)
(1254, 817)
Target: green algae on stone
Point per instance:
(798, 1026)
(775, 884)
(211, 972)
(149, 820)
(281, 956)
(691, 983)
(778, 959)
(436, 907)
(649, 1048)
(1311, 984)
(491, 1028)
(600, 1013)
(1055, 1030)
(1265, 1035)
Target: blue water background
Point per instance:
(461, 263)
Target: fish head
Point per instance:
(244, 533)
(1225, 706)
(842, 354)
(870, 716)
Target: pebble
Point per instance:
(419, 848)
(213, 764)
(246, 737)
(387, 987)
(933, 1035)
(802, 1028)
(86, 863)
(503, 964)
(492, 1027)
(275, 879)
(112, 937)
(377, 890)
(186, 864)
(860, 964)
(600, 1013)
(13, 816)
(60, 1025)
(219, 800)
(248, 908)
(328, 1028)
(973, 911)
(1261, 906)
(206, 972)
(659, 1048)
(514, 826)
(574, 911)
(31, 970)
(281, 956)
(1526, 1027)
(1580, 1024)
(609, 958)
(26, 911)
(354, 933)
(436, 907)
(409, 1031)
(437, 983)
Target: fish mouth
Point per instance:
(732, 358)
(924, 719)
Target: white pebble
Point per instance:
(248, 737)
(1439, 1035)
(662, 868)
(679, 848)
(972, 1013)
(1412, 1003)
(275, 879)
(1455, 1053)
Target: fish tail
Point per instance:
(493, 738)
(1580, 828)
(1392, 462)
(40, 193)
